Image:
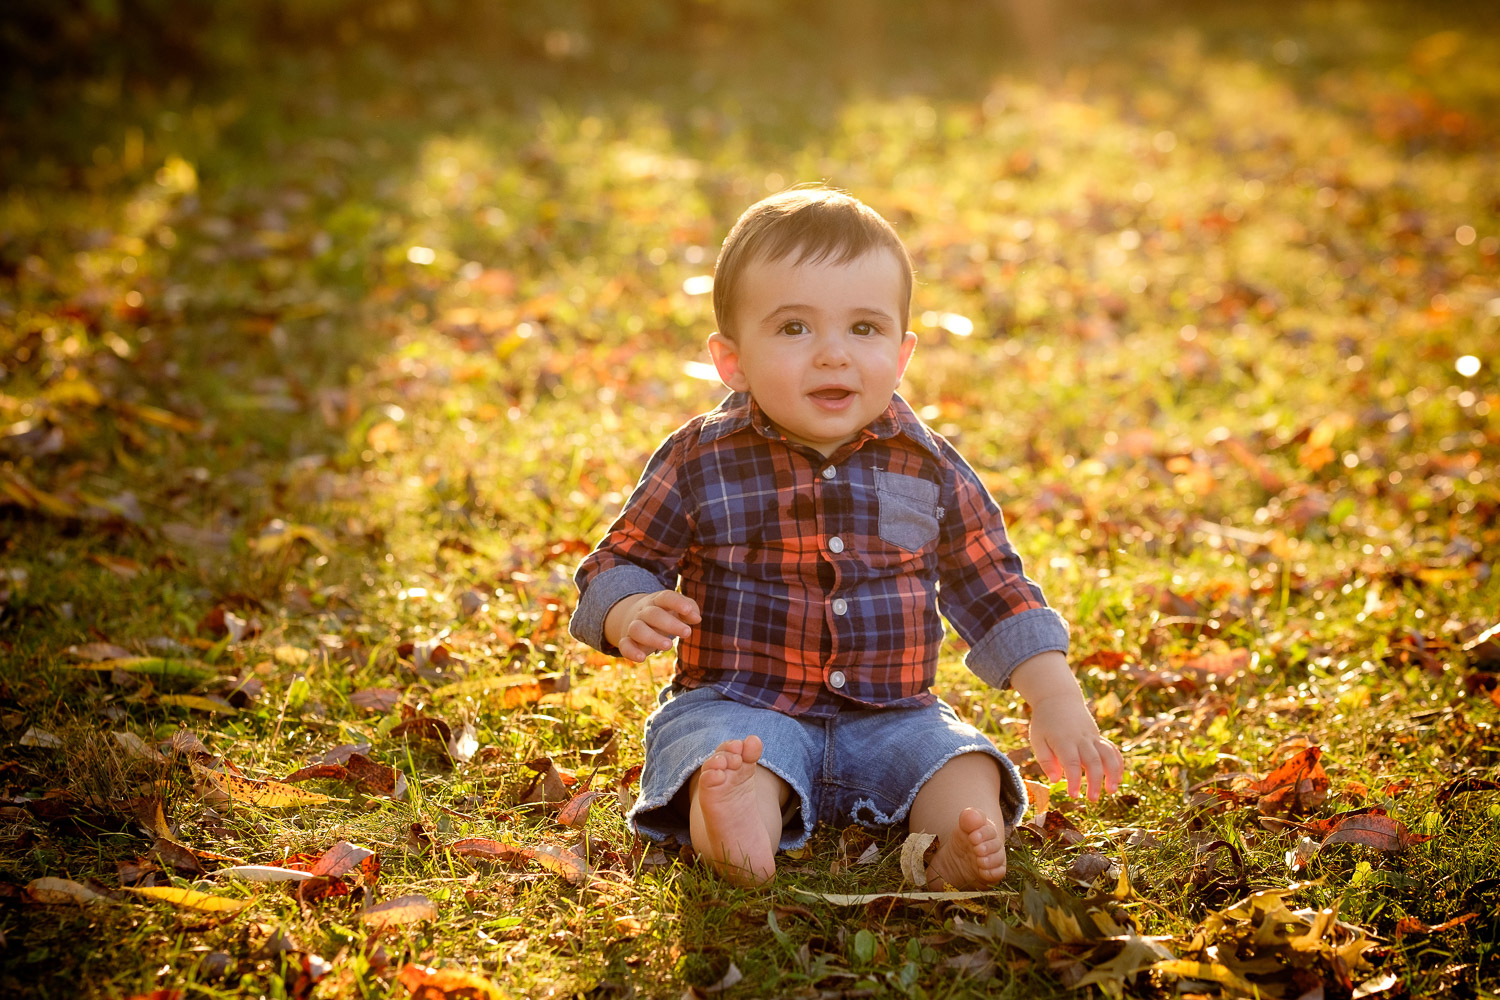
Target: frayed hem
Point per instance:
(1010, 780)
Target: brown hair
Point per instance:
(818, 223)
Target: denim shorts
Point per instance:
(861, 766)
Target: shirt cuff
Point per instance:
(607, 590)
(1014, 641)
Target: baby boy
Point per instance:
(801, 544)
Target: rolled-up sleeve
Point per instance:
(985, 593)
(641, 552)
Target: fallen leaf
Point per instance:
(447, 984)
(576, 811)
(98, 651)
(1211, 972)
(1459, 786)
(1411, 925)
(865, 898)
(198, 703)
(190, 899)
(59, 890)
(34, 737)
(402, 910)
(341, 858)
(464, 743)
(266, 794)
(1374, 830)
(138, 748)
(914, 857)
(1299, 784)
(264, 873)
(159, 669)
(377, 699)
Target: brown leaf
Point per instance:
(1299, 785)
(1411, 925)
(341, 858)
(446, 984)
(399, 911)
(1458, 786)
(376, 699)
(99, 651)
(1378, 831)
(576, 811)
(425, 727)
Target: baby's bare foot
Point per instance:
(736, 842)
(972, 856)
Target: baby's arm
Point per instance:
(1064, 735)
(642, 624)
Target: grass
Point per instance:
(431, 312)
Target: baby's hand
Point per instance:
(1066, 741)
(648, 623)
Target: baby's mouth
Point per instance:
(831, 394)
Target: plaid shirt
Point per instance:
(820, 579)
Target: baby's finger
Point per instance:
(665, 622)
(1093, 770)
(680, 605)
(647, 638)
(1114, 764)
(1071, 768)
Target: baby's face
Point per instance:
(821, 346)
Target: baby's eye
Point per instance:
(865, 329)
(794, 328)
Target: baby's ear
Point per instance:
(908, 345)
(726, 357)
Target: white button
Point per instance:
(840, 605)
(829, 473)
(836, 679)
(835, 545)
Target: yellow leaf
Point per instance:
(267, 794)
(1210, 971)
(197, 702)
(190, 899)
(189, 671)
(404, 910)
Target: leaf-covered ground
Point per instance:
(316, 383)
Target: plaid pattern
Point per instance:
(821, 580)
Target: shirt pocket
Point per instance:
(908, 508)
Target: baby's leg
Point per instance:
(961, 804)
(735, 813)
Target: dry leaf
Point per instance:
(914, 857)
(341, 858)
(266, 794)
(190, 899)
(402, 910)
(98, 651)
(576, 811)
(447, 984)
(34, 737)
(138, 748)
(865, 898)
(1374, 830)
(264, 873)
(60, 890)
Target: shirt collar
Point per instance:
(739, 411)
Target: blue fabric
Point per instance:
(861, 766)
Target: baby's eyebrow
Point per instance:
(794, 308)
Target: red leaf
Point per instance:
(1299, 785)
(1458, 786)
(1323, 827)
(425, 727)
(1378, 831)
(1411, 925)
(576, 811)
